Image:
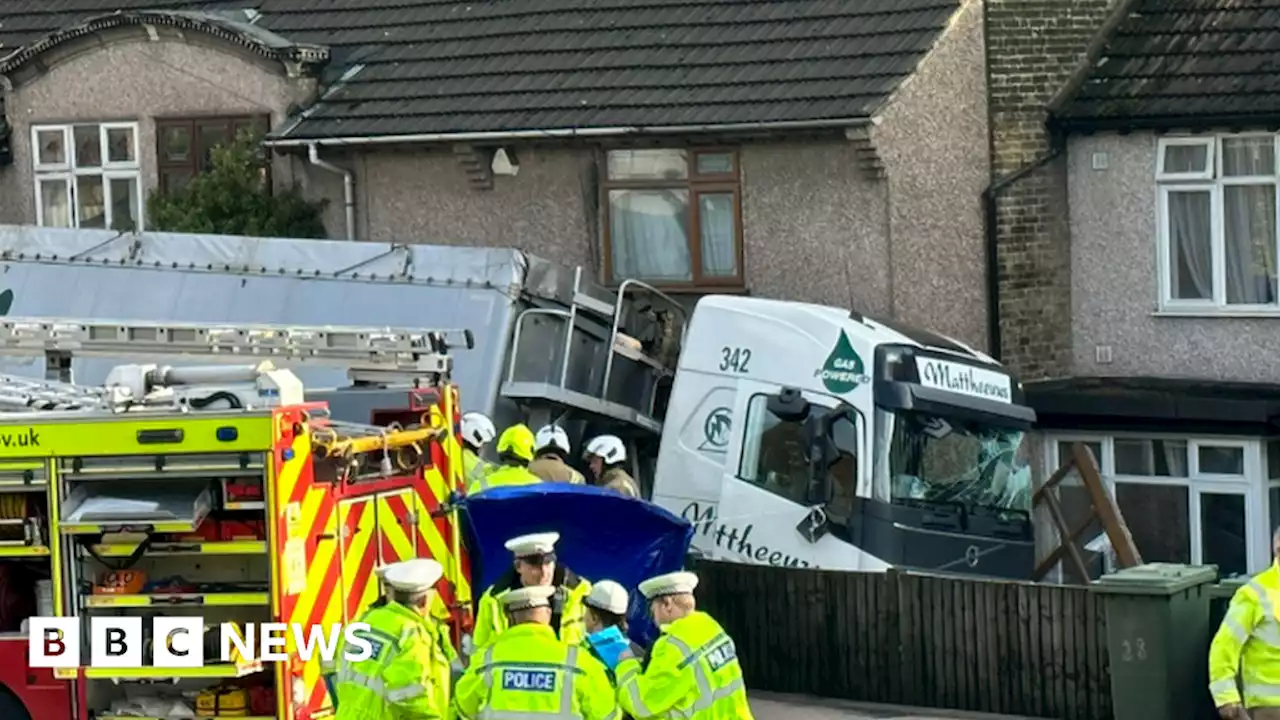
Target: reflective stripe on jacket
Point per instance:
(400, 680)
(693, 672)
(507, 475)
(527, 673)
(473, 468)
(552, 468)
(1248, 641)
(491, 620)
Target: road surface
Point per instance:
(771, 706)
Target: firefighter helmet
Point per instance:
(517, 441)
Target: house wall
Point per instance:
(122, 75)
(1114, 265)
(933, 138)
(813, 222)
(1033, 47)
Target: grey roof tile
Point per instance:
(451, 66)
(1184, 62)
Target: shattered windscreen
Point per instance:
(946, 460)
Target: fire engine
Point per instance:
(213, 490)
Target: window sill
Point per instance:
(1216, 313)
(694, 289)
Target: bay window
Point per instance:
(87, 175)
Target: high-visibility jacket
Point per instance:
(552, 468)
(503, 476)
(571, 592)
(1248, 641)
(474, 468)
(527, 673)
(406, 678)
(693, 672)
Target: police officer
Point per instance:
(408, 675)
(477, 431)
(528, 673)
(1248, 643)
(605, 455)
(550, 448)
(515, 450)
(535, 565)
(605, 621)
(690, 639)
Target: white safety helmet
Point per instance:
(551, 436)
(609, 448)
(478, 429)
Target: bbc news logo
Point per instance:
(179, 642)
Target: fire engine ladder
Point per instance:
(374, 355)
(586, 363)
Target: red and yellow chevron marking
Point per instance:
(396, 541)
(359, 555)
(306, 515)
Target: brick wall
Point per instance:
(1033, 47)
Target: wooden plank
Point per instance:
(1112, 520)
(1052, 674)
(897, 590)
(1034, 655)
(1004, 617)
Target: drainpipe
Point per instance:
(348, 188)
(1057, 144)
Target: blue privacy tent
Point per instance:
(603, 536)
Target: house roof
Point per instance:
(414, 67)
(1181, 63)
(232, 26)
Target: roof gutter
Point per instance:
(1057, 144)
(568, 133)
(348, 188)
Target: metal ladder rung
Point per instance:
(319, 342)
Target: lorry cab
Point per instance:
(809, 436)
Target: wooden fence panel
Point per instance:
(899, 638)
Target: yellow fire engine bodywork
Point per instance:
(319, 572)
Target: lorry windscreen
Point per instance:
(948, 460)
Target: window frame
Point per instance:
(107, 170)
(1214, 183)
(1253, 484)
(744, 441)
(165, 167)
(1211, 161)
(696, 185)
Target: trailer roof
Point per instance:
(213, 278)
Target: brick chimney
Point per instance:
(1033, 49)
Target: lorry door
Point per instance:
(359, 555)
(397, 521)
(764, 500)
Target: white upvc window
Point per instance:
(87, 175)
(1185, 499)
(1217, 222)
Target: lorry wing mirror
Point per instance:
(823, 452)
(789, 405)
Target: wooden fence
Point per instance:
(897, 638)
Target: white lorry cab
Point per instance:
(811, 436)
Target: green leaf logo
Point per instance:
(843, 370)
